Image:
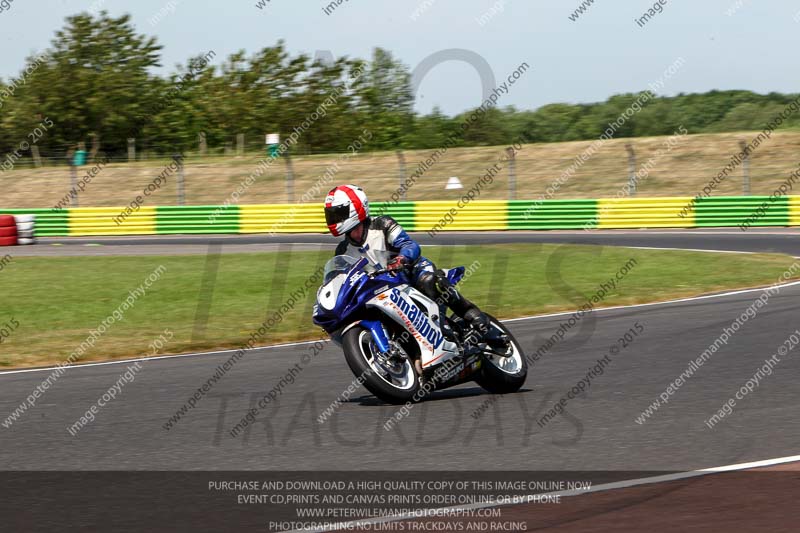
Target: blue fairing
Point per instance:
(454, 275)
(357, 289)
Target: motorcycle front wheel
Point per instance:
(393, 382)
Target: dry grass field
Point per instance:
(681, 171)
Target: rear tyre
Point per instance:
(395, 384)
(503, 375)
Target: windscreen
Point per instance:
(339, 264)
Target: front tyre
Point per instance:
(394, 382)
(503, 375)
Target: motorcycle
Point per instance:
(401, 344)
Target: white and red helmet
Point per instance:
(345, 208)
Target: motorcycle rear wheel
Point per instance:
(503, 375)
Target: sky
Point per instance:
(720, 44)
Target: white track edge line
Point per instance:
(665, 302)
(691, 250)
(160, 357)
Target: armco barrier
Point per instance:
(673, 212)
(551, 214)
(48, 222)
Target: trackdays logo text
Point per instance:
(418, 319)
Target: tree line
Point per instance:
(96, 84)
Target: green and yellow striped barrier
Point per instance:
(435, 216)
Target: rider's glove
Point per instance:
(398, 263)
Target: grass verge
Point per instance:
(218, 301)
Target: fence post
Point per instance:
(37, 158)
(631, 169)
(131, 150)
(401, 165)
(181, 183)
(73, 178)
(95, 148)
(203, 144)
(512, 172)
(240, 144)
(745, 168)
(289, 178)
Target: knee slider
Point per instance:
(442, 283)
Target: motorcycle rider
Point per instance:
(347, 213)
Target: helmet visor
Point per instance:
(336, 214)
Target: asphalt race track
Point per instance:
(459, 429)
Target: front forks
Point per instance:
(378, 334)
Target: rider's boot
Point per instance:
(447, 294)
(478, 321)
